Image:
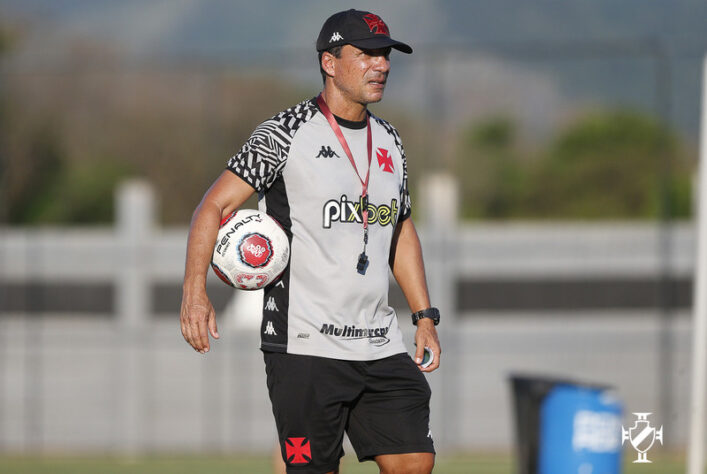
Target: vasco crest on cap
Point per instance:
(376, 24)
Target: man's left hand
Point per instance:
(426, 336)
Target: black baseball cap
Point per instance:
(362, 29)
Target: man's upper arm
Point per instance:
(255, 167)
(228, 192)
(262, 158)
(404, 229)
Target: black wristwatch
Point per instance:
(432, 313)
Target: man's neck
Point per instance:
(343, 107)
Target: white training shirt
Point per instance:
(321, 305)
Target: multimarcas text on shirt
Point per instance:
(376, 336)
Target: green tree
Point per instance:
(493, 176)
(610, 165)
(4, 46)
(83, 194)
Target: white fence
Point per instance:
(116, 375)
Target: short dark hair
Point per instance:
(334, 51)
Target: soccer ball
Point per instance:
(251, 250)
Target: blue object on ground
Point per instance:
(580, 431)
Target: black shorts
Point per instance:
(383, 405)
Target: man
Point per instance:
(335, 177)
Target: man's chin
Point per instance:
(374, 97)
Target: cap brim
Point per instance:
(381, 42)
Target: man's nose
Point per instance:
(382, 63)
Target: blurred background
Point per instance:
(552, 151)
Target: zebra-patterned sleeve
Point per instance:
(405, 203)
(262, 158)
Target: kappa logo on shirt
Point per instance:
(327, 152)
(270, 329)
(271, 305)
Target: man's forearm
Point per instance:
(409, 270)
(226, 195)
(200, 245)
(408, 267)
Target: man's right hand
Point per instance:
(198, 320)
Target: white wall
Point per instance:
(128, 382)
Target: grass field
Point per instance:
(447, 464)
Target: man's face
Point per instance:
(361, 74)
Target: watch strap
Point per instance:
(431, 313)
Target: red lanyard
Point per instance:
(337, 131)
(362, 259)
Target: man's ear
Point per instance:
(329, 63)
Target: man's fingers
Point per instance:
(196, 333)
(186, 332)
(419, 353)
(437, 349)
(426, 336)
(435, 363)
(196, 326)
(193, 334)
(203, 337)
(183, 328)
(212, 326)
